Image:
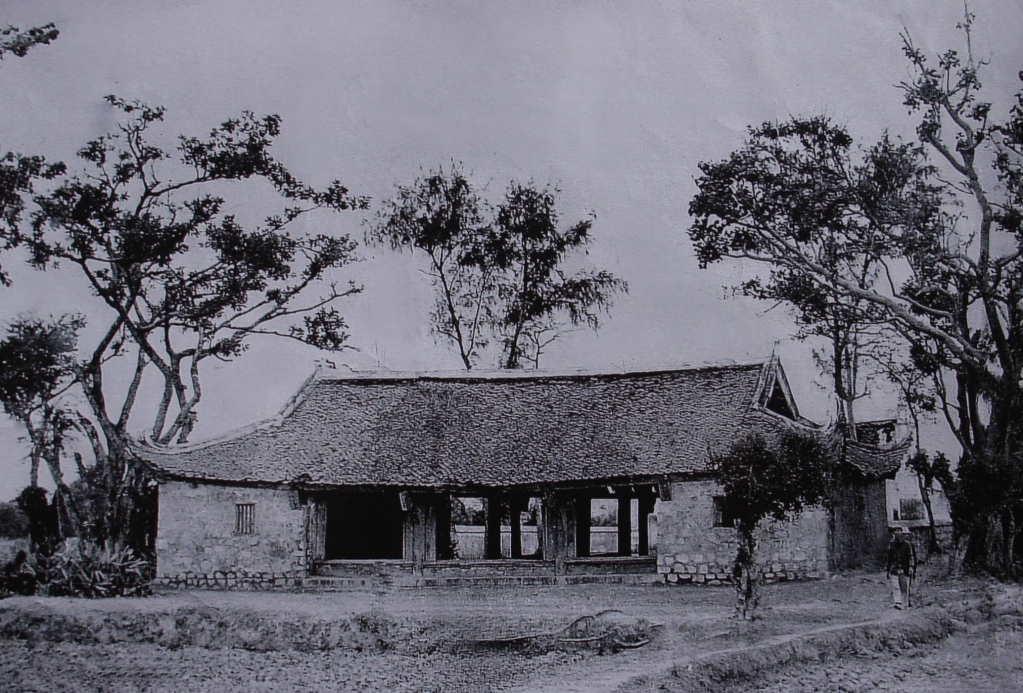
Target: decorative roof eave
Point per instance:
(305, 484)
(873, 462)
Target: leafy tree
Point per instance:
(442, 217)
(36, 366)
(796, 195)
(763, 481)
(949, 250)
(183, 280)
(498, 272)
(17, 173)
(18, 42)
(535, 293)
(13, 522)
(42, 521)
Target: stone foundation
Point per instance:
(692, 550)
(232, 580)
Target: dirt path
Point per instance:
(614, 673)
(420, 631)
(984, 661)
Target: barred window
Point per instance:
(244, 518)
(722, 518)
(911, 508)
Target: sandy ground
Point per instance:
(694, 619)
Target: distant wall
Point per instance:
(905, 485)
(692, 549)
(472, 540)
(197, 543)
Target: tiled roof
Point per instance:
(875, 462)
(490, 431)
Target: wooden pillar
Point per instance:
(316, 532)
(541, 529)
(493, 535)
(420, 534)
(646, 507)
(515, 510)
(582, 526)
(624, 522)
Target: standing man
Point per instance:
(900, 567)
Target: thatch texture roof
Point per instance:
(517, 430)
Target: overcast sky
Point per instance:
(615, 102)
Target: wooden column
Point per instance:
(420, 532)
(493, 535)
(582, 526)
(624, 523)
(316, 532)
(515, 511)
(559, 514)
(646, 507)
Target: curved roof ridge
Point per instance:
(289, 407)
(537, 374)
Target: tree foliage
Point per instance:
(500, 272)
(183, 278)
(535, 292)
(13, 522)
(798, 197)
(762, 481)
(941, 222)
(37, 361)
(18, 42)
(17, 173)
(442, 217)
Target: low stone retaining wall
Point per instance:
(681, 574)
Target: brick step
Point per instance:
(330, 584)
(605, 579)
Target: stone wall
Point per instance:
(860, 528)
(197, 545)
(692, 549)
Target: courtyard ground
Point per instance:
(838, 634)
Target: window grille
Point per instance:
(245, 518)
(722, 518)
(911, 508)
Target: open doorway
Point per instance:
(614, 525)
(364, 525)
(495, 527)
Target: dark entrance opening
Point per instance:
(364, 526)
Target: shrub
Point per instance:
(13, 522)
(84, 570)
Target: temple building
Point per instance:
(489, 478)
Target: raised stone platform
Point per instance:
(337, 575)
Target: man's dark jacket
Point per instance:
(901, 558)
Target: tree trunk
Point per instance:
(33, 479)
(957, 560)
(63, 499)
(746, 575)
(1009, 540)
(932, 531)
